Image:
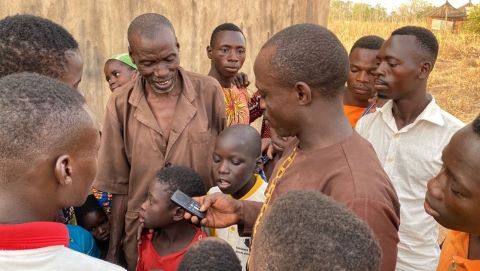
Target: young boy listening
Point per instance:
(48, 160)
(172, 236)
(236, 159)
(93, 218)
(119, 70)
(453, 199)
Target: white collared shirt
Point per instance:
(411, 156)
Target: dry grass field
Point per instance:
(454, 81)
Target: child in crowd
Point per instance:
(93, 218)
(453, 199)
(119, 70)
(172, 236)
(309, 231)
(236, 160)
(48, 156)
(212, 254)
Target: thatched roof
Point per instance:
(446, 11)
(467, 5)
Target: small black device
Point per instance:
(186, 202)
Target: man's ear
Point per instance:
(63, 170)
(425, 69)
(209, 52)
(304, 93)
(130, 54)
(178, 214)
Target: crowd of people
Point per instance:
(354, 168)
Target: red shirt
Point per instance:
(32, 235)
(149, 259)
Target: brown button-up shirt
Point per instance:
(133, 147)
(350, 173)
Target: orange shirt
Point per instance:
(353, 113)
(455, 252)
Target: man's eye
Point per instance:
(116, 74)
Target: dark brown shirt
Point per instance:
(350, 173)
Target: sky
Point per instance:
(391, 5)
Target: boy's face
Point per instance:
(361, 75)
(278, 101)
(453, 196)
(398, 66)
(227, 52)
(233, 165)
(117, 73)
(97, 223)
(157, 59)
(157, 211)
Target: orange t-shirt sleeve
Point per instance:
(353, 113)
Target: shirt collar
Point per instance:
(138, 91)
(432, 113)
(32, 235)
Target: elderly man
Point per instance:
(169, 117)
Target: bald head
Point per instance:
(148, 25)
(243, 136)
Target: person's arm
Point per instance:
(117, 227)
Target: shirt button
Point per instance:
(397, 136)
(168, 164)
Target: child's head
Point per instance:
(453, 196)
(48, 144)
(211, 254)
(306, 230)
(33, 44)
(236, 158)
(158, 211)
(227, 49)
(92, 218)
(119, 70)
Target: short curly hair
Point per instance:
(33, 44)
(211, 254)
(306, 230)
(180, 178)
(425, 38)
(37, 114)
(370, 42)
(312, 54)
(224, 27)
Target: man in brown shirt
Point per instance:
(301, 73)
(169, 117)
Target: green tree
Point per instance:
(473, 23)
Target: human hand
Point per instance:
(241, 80)
(221, 211)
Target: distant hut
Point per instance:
(446, 17)
(467, 8)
